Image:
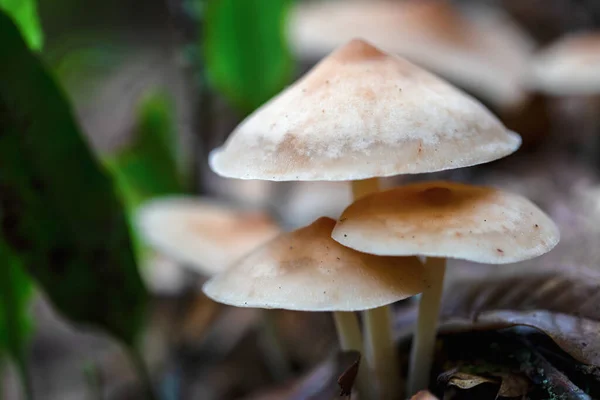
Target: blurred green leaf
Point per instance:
(82, 69)
(16, 291)
(245, 49)
(148, 166)
(59, 213)
(24, 13)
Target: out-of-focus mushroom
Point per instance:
(440, 220)
(307, 270)
(569, 71)
(207, 237)
(202, 234)
(481, 50)
(568, 67)
(162, 274)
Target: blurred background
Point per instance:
(156, 84)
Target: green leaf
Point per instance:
(24, 13)
(16, 289)
(59, 213)
(148, 167)
(245, 49)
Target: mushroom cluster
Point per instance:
(358, 115)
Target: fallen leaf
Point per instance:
(463, 380)
(510, 384)
(572, 291)
(562, 303)
(576, 335)
(347, 378)
(513, 385)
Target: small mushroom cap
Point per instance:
(307, 270)
(359, 114)
(202, 234)
(444, 219)
(570, 66)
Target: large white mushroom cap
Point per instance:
(362, 113)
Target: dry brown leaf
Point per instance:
(463, 380)
(563, 303)
(424, 395)
(573, 291)
(510, 384)
(580, 337)
(513, 385)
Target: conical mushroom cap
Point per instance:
(359, 114)
(571, 66)
(307, 270)
(444, 219)
(202, 234)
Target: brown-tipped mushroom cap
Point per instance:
(201, 233)
(362, 113)
(307, 270)
(570, 66)
(443, 219)
(481, 50)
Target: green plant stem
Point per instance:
(142, 372)
(421, 357)
(348, 330)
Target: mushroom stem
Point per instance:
(421, 358)
(273, 350)
(380, 350)
(348, 330)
